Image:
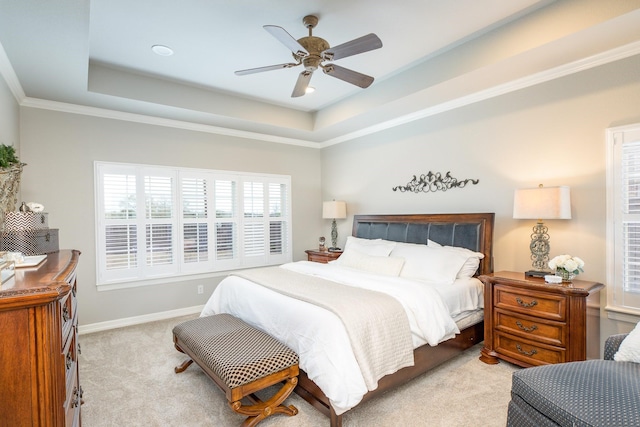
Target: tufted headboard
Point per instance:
(469, 230)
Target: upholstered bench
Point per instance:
(241, 360)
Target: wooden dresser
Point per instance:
(529, 322)
(39, 345)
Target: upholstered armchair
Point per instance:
(587, 393)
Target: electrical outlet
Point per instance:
(200, 289)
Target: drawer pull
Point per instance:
(524, 328)
(65, 314)
(526, 304)
(526, 353)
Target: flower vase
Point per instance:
(567, 276)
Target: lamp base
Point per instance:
(534, 273)
(334, 250)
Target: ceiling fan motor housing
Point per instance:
(315, 46)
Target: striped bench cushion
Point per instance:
(235, 351)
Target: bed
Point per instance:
(330, 379)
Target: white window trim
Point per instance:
(183, 271)
(616, 310)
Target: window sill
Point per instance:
(159, 281)
(623, 314)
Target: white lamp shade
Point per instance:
(335, 209)
(542, 203)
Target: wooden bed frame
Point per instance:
(470, 230)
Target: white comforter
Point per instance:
(321, 340)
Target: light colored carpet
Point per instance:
(128, 380)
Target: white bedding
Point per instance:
(321, 340)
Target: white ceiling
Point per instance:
(72, 54)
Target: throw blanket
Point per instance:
(381, 342)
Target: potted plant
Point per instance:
(10, 171)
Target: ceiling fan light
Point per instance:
(162, 50)
(310, 89)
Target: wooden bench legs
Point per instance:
(183, 366)
(260, 410)
(257, 410)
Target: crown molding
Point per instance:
(609, 56)
(10, 77)
(159, 121)
(603, 58)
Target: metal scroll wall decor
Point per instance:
(432, 182)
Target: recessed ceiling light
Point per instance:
(162, 50)
(310, 89)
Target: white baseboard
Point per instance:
(145, 318)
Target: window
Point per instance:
(623, 219)
(155, 222)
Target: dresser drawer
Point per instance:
(72, 405)
(531, 328)
(528, 352)
(67, 309)
(71, 363)
(547, 306)
(318, 258)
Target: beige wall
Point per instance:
(60, 150)
(553, 133)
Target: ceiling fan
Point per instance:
(312, 51)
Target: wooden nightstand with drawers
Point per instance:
(322, 256)
(529, 322)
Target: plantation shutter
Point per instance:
(278, 206)
(158, 222)
(196, 222)
(226, 222)
(253, 223)
(627, 220)
(118, 228)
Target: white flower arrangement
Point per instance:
(572, 264)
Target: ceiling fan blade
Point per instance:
(286, 39)
(301, 85)
(354, 47)
(349, 76)
(267, 68)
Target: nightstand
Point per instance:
(529, 322)
(323, 257)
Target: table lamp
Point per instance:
(334, 210)
(541, 203)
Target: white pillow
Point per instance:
(375, 247)
(468, 269)
(629, 350)
(429, 243)
(384, 265)
(432, 264)
(471, 265)
(466, 251)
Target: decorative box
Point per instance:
(30, 242)
(26, 220)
